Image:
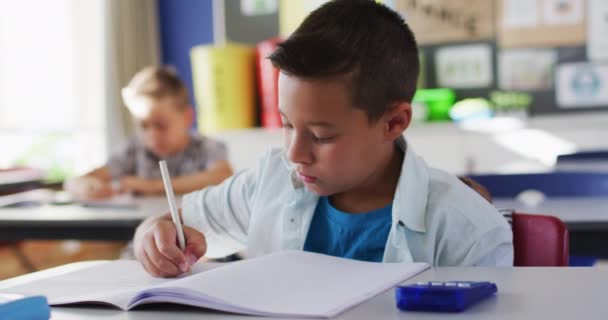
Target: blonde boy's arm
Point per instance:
(181, 184)
(214, 175)
(102, 173)
(95, 184)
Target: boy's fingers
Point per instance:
(196, 244)
(166, 244)
(165, 266)
(147, 264)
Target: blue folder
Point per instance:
(30, 308)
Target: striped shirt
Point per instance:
(136, 160)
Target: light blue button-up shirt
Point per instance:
(436, 218)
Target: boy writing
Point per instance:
(158, 102)
(347, 183)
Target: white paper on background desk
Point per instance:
(118, 201)
(37, 196)
(285, 284)
(48, 196)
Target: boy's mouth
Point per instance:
(307, 179)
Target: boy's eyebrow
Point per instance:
(313, 123)
(320, 124)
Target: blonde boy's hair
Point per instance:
(155, 82)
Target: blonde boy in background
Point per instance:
(158, 102)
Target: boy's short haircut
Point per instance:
(156, 83)
(364, 42)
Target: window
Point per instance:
(52, 84)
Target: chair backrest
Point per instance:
(554, 184)
(539, 240)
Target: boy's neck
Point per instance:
(377, 192)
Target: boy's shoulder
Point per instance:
(450, 200)
(199, 140)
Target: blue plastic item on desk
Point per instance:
(449, 296)
(30, 308)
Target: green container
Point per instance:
(437, 101)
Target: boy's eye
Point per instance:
(160, 126)
(323, 139)
(287, 125)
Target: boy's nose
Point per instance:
(298, 151)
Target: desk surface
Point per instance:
(587, 221)
(74, 221)
(586, 218)
(523, 293)
(577, 213)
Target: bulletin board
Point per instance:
(539, 53)
(543, 100)
(540, 23)
(440, 21)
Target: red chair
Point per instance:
(539, 240)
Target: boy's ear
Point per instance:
(189, 114)
(397, 119)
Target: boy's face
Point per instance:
(331, 144)
(162, 126)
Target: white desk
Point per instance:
(77, 222)
(586, 218)
(523, 293)
(572, 211)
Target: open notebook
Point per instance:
(283, 284)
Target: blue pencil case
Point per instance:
(29, 308)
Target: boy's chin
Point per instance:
(320, 191)
(160, 153)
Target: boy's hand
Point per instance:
(88, 188)
(138, 185)
(157, 250)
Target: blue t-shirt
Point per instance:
(359, 236)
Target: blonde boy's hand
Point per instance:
(138, 185)
(88, 188)
(157, 250)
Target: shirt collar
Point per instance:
(409, 204)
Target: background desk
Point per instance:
(587, 220)
(523, 293)
(77, 222)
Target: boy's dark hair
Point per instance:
(363, 41)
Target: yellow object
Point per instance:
(293, 12)
(223, 79)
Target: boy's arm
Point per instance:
(494, 249)
(92, 185)
(217, 173)
(223, 212)
(102, 173)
